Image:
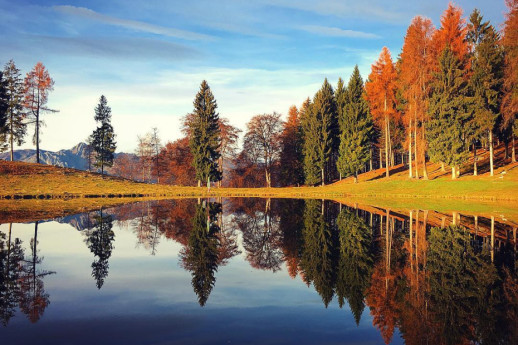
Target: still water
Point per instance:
(243, 271)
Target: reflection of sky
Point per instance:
(149, 299)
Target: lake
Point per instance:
(268, 271)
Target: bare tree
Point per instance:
(262, 139)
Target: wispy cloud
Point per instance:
(131, 24)
(337, 32)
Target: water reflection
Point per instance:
(429, 276)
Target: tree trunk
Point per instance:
(37, 137)
(415, 147)
(381, 158)
(12, 137)
(410, 149)
(453, 174)
(199, 183)
(386, 145)
(423, 151)
(356, 177)
(323, 183)
(457, 170)
(443, 168)
(475, 171)
(513, 151)
(370, 160)
(491, 153)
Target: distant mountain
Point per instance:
(71, 158)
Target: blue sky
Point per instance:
(149, 57)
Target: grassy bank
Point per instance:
(28, 180)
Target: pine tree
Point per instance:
(510, 99)
(355, 128)
(309, 149)
(320, 135)
(103, 138)
(449, 112)
(205, 137)
(15, 129)
(486, 80)
(4, 104)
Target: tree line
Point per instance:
(451, 92)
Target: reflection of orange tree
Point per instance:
(386, 289)
(33, 298)
(11, 259)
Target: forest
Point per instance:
(450, 94)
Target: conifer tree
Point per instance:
(355, 127)
(320, 135)
(4, 104)
(510, 99)
(37, 85)
(486, 80)
(15, 128)
(291, 150)
(381, 95)
(205, 139)
(103, 138)
(341, 99)
(449, 112)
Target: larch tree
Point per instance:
(381, 95)
(414, 78)
(263, 136)
(509, 105)
(292, 172)
(320, 123)
(450, 111)
(355, 126)
(486, 81)
(145, 154)
(37, 85)
(156, 145)
(103, 137)
(205, 137)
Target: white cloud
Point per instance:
(131, 24)
(337, 32)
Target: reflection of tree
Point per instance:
(201, 254)
(319, 253)
(33, 298)
(100, 242)
(146, 225)
(11, 259)
(261, 238)
(291, 224)
(460, 283)
(355, 263)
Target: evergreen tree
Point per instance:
(201, 255)
(103, 138)
(4, 104)
(486, 81)
(449, 111)
(205, 138)
(340, 99)
(15, 128)
(100, 242)
(355, 128)
(355, 263)
(320, 135)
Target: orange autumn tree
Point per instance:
(414, 79)
(381, 96)
(37, 85)
(452, 35)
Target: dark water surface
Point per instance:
(257, 271)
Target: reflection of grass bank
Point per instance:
(42, 181)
